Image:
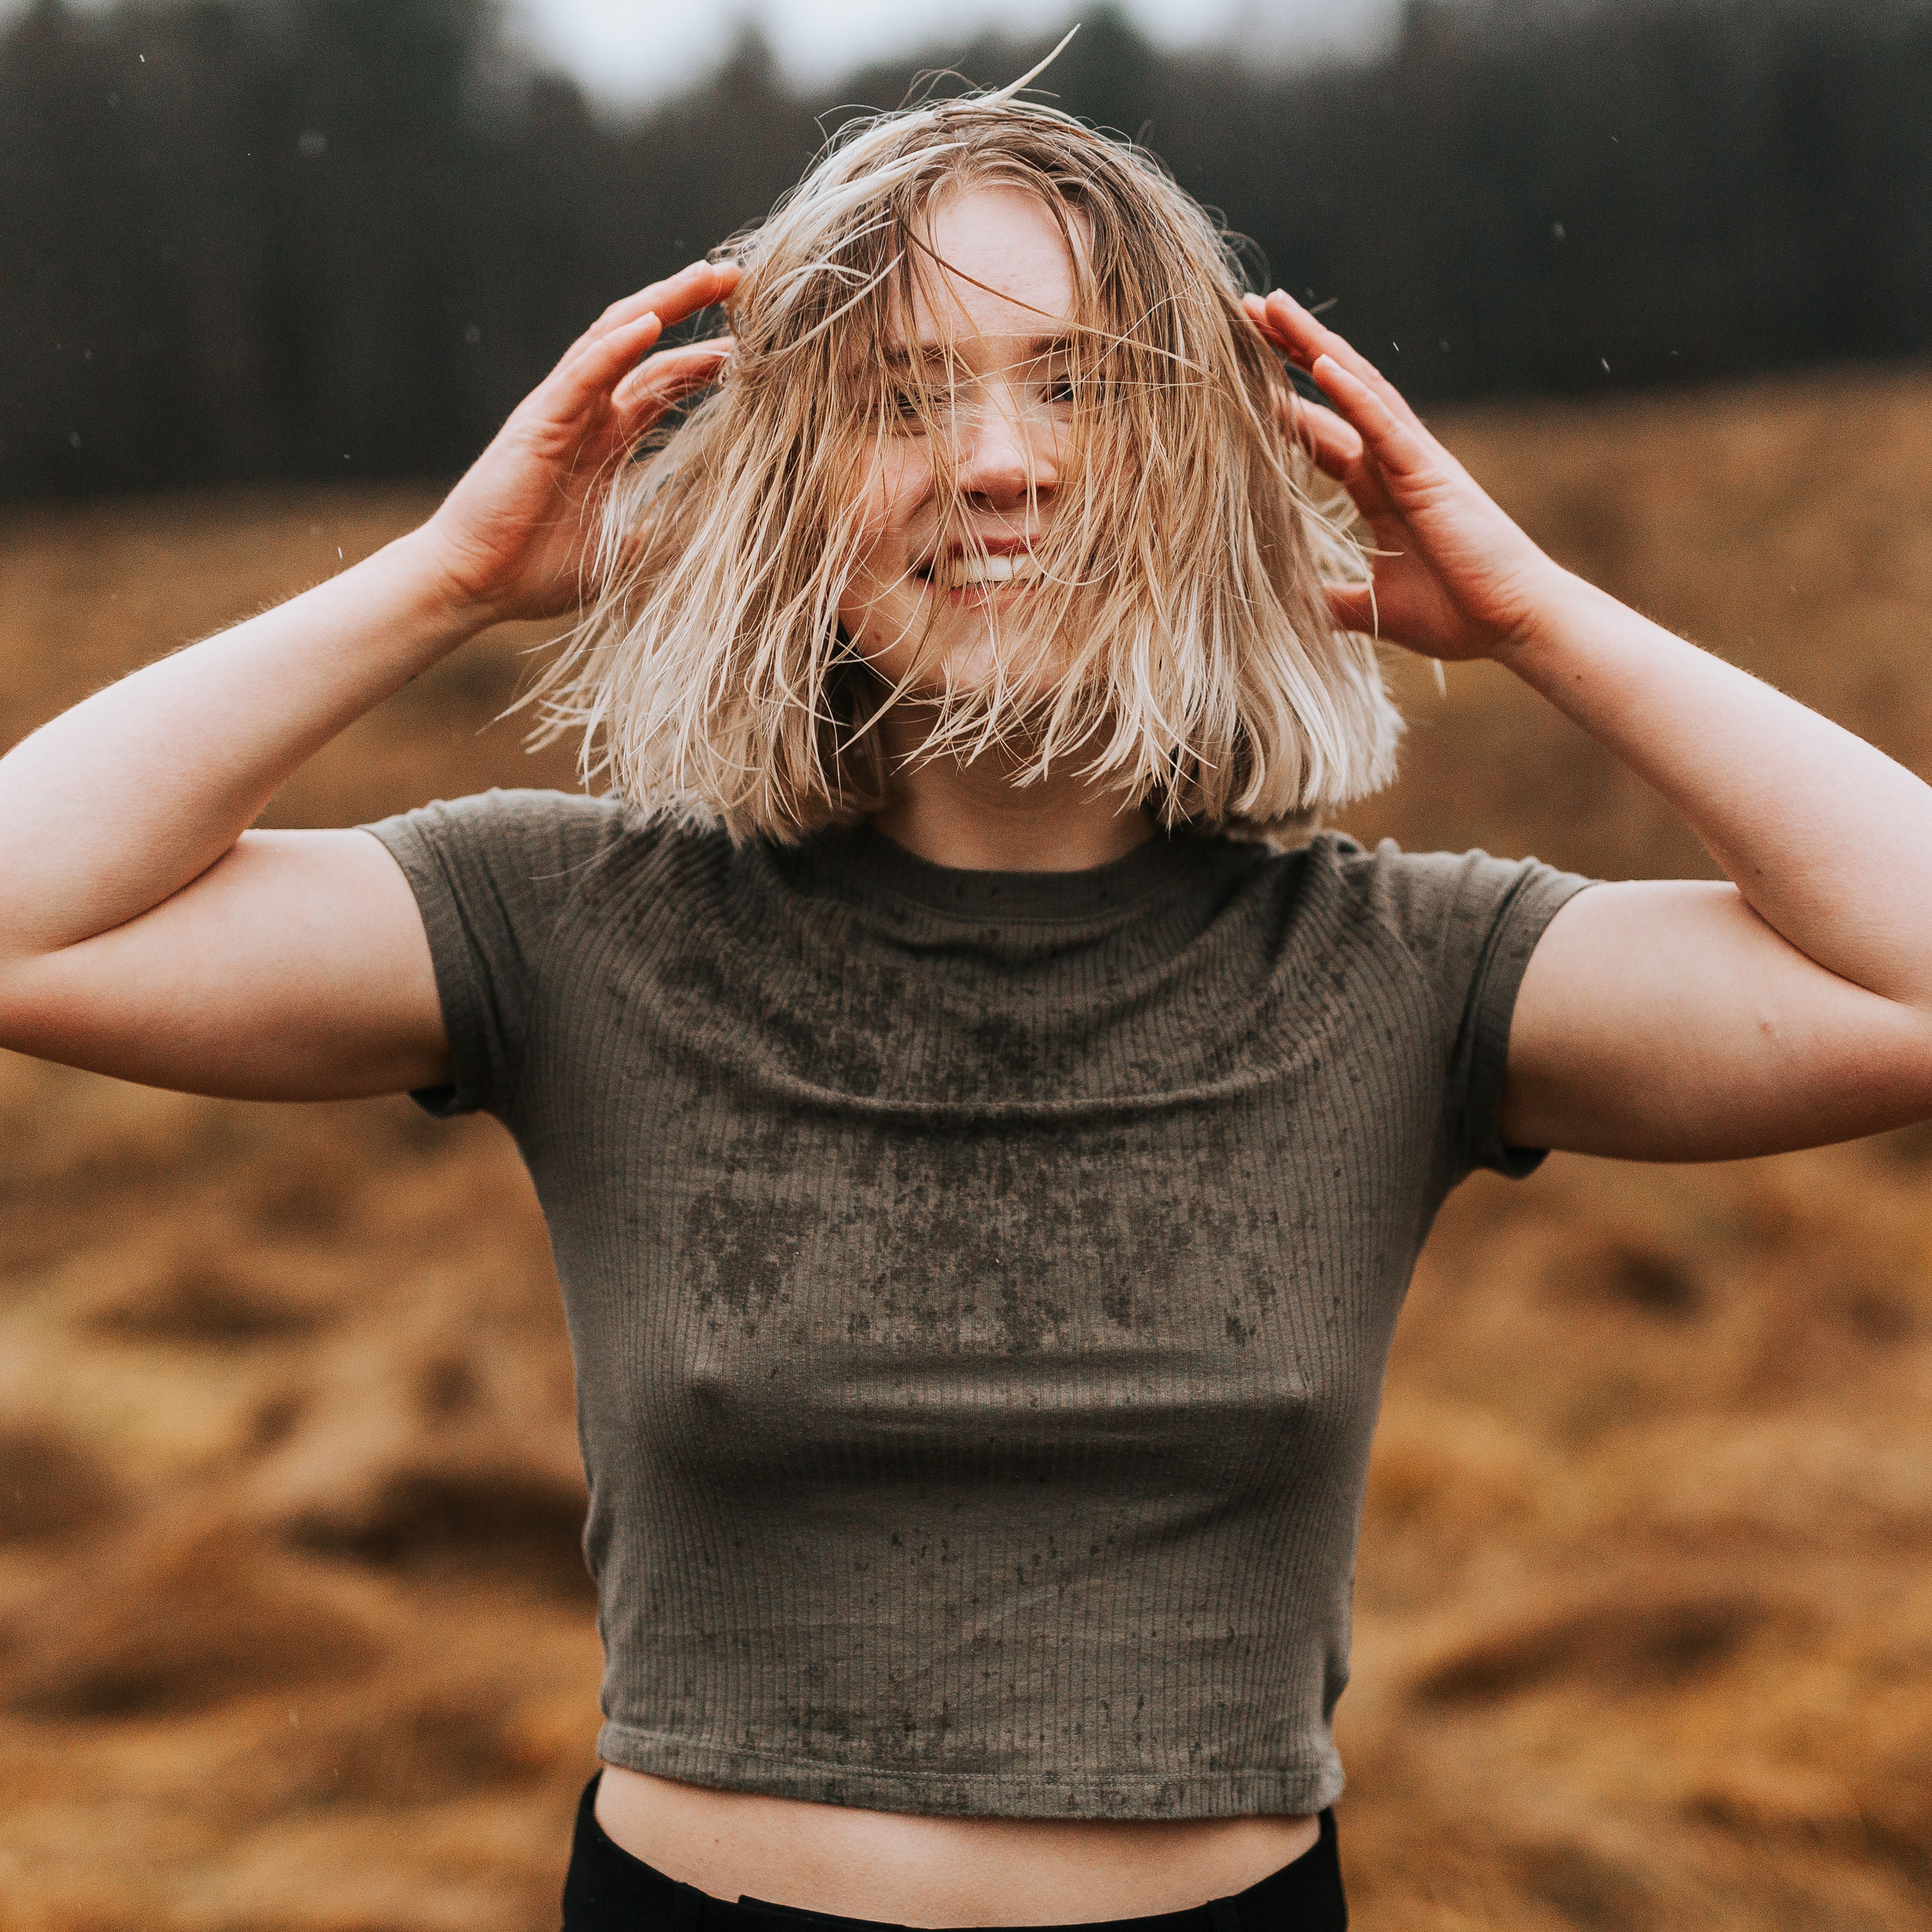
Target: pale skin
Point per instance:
(145, 932)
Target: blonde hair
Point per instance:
(1198, 671)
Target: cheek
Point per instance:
(882, 519)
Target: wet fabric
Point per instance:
(980, 1284)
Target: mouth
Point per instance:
(956, 571)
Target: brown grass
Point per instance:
(293, 1634)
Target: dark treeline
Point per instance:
(245, 238)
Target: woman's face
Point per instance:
(996, 338)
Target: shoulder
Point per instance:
(515, 817)
(1465, 920)
(539, 834)
(1332, 879)
(531, 855)
(1411, 892)
(1435, 906)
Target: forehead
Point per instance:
(999, 267)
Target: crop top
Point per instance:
(979, 1283)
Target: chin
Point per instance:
(969, 668)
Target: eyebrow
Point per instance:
(1038, 348)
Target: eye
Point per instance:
(902, 413)
(1062, 388)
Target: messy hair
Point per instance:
(1196, 670)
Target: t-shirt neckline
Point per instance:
(862, 857)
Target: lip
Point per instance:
(928, 568)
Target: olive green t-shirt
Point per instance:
(980, 1283)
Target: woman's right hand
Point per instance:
(514, 537)
(144, 930)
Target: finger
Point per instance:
(1336, 445)
(672, 374)
(1294, 330)
(1306, 341)
(594, 369)
(1353, 607)
(1280, 330)
(1291, 329)
(681, 295)
(1394, 443)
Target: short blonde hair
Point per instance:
(1198, 671)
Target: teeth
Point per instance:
(960, 573)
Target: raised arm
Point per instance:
(144, 931)
(1673, 1020)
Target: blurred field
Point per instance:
(293, 1632)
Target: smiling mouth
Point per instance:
(974, 573)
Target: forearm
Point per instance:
(121, 802)
(1829, 841)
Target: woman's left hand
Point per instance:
(1454, 578)
(1658, 1019)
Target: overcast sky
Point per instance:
(626, 50)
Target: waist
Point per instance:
(937, 1871)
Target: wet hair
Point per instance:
(1194, 668)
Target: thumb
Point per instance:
(1352, 606)
(665, 379)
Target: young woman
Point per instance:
(985, 1152)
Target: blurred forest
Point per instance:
(261, 239)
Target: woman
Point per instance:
(984, 1157)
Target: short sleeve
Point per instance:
(492, 873)
(1470, 922)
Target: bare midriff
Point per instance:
(916, 1870)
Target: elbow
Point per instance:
(38, 1016)
(1896, 1075)
(13, 1029)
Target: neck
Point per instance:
(973, 816)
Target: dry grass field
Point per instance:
(293, 1632)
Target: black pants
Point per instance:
(607, 1889)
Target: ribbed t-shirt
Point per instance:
(979, 1283)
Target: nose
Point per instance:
(1004, 448)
